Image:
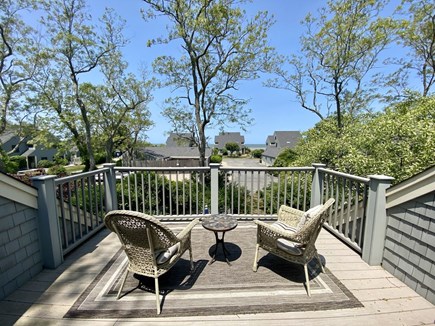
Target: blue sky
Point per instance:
(272, 109)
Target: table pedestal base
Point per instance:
(225, 251)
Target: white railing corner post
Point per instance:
(214, 185)
(317, 185)
(110, 186)
(376, 219)
(48, 221)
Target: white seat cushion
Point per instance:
(308, 215)
(289, 246)
(163, 256)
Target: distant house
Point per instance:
(180, 140)
(228, 137)
(171, 156)
(276, 143)
(33, 154)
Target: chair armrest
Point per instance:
(289, 215)
(274, 232)
(187, 229)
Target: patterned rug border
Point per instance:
(75, 312)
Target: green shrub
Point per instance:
(256, 153)
(60, 161)
(8, 165)
(58, 170)
(100, 158)
(20, 161)
(45, 164)
(215, 159)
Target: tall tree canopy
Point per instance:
(221, 47)
(18, 63)
(80, 48)
(338, 50)
(416, 34)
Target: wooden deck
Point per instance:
(387, 301)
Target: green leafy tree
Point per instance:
(221, 48)
(232, 148)
(416, 33)
(398, 142)
(338, 50)
(285, 158)
(257, 153)
(119, 106)
(76, 49)
(18, 62)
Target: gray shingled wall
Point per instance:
(20, 255)
(410, 244)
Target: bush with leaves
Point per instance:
(256, 153)
(398, 142)
(216, 159)
(45, 164)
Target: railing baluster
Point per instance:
(150, 207)
(142, 186)
(157, 192)
(246, 189)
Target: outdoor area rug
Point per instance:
(216, 289)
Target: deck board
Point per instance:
(387, 301)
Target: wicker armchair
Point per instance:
(151, 247)
(293, 236)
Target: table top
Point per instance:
(219, 223)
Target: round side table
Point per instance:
(220, 223)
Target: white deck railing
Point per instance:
(76, 205)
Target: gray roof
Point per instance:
(271, 151)
(280, 140)
(285, 139)
(180, 152)
(179, 140)
(7, 135)
(228, 137)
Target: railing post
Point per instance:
(48, 221)
(214, 176)
(317, 185)
(110, 187)
(376, 219)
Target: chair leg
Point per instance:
(156, 282)
(307, 280)
(320, 262)
(255, 266)
(122, 285)
(191, 259)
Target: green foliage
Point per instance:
(45, 164)
(285, 158)
(232, 148)
(147, 189)
(216, 159)
(60, 160)
(100, 158)
(20, 161)
(257, 153)
(57, 170)
(398, 142)
(221, 47)
(6, 164)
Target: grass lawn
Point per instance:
(74, 168)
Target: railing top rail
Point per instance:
(137, 168)
(80, 176)
(346, 175)
(229, 168)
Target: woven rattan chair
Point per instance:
(151, 247)
(293, 236)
